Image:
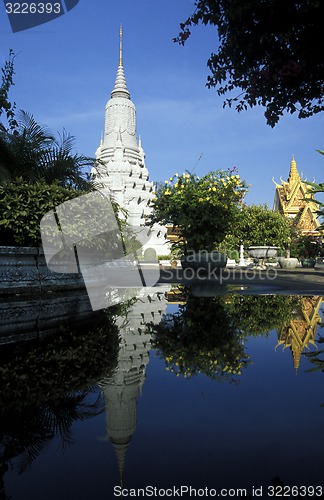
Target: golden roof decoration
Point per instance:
(293, 173)
(290, 200)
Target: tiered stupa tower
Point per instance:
(121, 160)
(290, 200)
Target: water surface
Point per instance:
(214, 392)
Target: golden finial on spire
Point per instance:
(293, 174)
(121, 45)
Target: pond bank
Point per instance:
(23, 270)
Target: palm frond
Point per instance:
(33, 153)
(37, 135)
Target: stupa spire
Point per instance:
(121, 157)
(121, 45)
(293, 173)
(120, 87)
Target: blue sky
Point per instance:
(65, 71)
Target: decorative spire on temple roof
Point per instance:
(120, 45)
(120, 88)
(293, 173)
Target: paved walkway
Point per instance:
(281, 281)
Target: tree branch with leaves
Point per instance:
(269, 51)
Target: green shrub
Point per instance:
(22, 206)
(233, 254)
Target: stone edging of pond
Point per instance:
(23, 270)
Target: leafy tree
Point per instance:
(203, 207)
(7, 81)
(257, 225)
(268, 49)
(318, 188)
(6, 107)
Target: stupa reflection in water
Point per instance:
(122, 389)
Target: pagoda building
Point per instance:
(121, 161)
(300, 333)
(290, 200)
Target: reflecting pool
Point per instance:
(167, 390)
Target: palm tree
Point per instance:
(60, 163)
(31, 152)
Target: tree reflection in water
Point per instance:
(317, 359)
(48, 385)
(207, 334)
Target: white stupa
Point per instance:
(121, 161)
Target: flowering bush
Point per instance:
(307, 246)
(203, 208)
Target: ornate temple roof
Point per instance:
(290, 200)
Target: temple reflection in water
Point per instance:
(301, 330)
